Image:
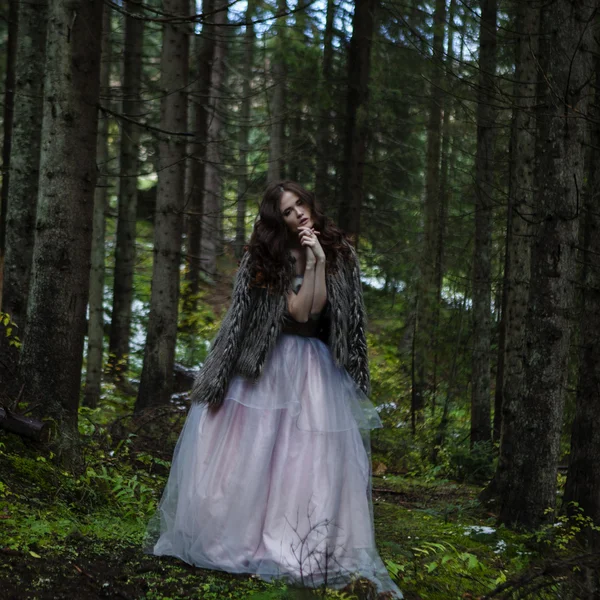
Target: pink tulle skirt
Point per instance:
(277, 482)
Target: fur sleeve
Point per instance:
(212, 381)
(357, 324)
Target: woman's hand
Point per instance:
(308, 239)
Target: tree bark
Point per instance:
(120, 326)
(212, 214)
(482, 259)
(159, 353)
(242, 182)
(447, 161)
(295, 122)
(277, 106)
(583, 476)
(447, 154)
(7, 126)
(503, 301)
(205, 52)
(25, 159)
(520, 216)
(52, 352)
(322, 187)
(357, 112)
(427, 290)
(551, 295)
(93, 372)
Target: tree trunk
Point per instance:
(52, 352)
(443, 426)
(427, 292)
(583, 477)
(205, 52)
(159, 353)
(548, 322)
(7, 126)
(295, 139)
(357, 112)
(298, 139)
(93, 372)
(519, 231)
(189, 172)
(212, 214)
(503, 306)
(242, 183)
(120, 326)
(277, 106)
(446, 166)
(322, 187)
(482, 259)
(25, 158)
(519, 214)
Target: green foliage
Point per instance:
(290, 593)
(9, 326)
(422, 455)
(130, 494)
(45, 505)
(439, 564)
(196, 328)
(567, 532)
(475, 464)
(441, 545)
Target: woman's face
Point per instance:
(296, 213)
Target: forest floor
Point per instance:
(80, 537)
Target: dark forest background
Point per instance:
(456, 141)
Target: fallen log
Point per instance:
(27, 427)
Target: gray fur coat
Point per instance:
(254, 321)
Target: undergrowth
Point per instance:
(435, 538)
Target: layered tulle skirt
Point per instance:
(277, 482)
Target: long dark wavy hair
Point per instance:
(268, 245)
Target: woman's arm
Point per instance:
(319, 299)
(320, 293)
(299, 305)
(312, 296)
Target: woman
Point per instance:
(271, 473)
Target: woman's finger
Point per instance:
(303, 228)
